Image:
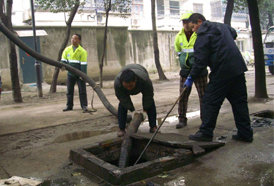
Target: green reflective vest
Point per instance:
(76, 59)
(184, 48)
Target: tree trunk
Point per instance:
(16, 90)
(228, 12)
(63, 46)
(155, 43)
(49, 61)
(260, 82)
(270, 20)
(101, 65)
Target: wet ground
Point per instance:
(36, 137)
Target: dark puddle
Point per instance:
(263, 119)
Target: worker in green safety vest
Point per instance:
(76, 56)
(184, 46)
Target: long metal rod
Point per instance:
(37, 63)
(160, 126)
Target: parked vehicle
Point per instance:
(269, 49)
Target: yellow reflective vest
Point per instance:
(185, 48)
(76, 59)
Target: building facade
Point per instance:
(129, 38)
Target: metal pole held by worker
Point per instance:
(160, 126)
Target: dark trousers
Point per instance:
(70, 91)
(122, 116)
(234, 90)
(200, 84)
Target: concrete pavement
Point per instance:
(36, 136)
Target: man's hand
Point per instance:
(188, 82)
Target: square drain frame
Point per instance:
(88, 158)
(101, 159)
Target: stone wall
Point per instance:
(123, 47)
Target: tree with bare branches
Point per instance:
(5, 16)
(155, 43)
(121, 6)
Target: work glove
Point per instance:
(188, 82)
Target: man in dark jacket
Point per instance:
(215, 47)
(183, 44)
(132, 80)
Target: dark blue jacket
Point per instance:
(143, 85)
(215, 47)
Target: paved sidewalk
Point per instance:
(36, 137)
(46, 112)
(37, 113)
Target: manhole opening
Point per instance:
(102, 159)
(111, 153)
(265, 114)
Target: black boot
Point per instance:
(182, 123)
(199, 136)
(239, 138)
(67, 109)
(85, 109)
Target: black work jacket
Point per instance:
(215, 47)
(143, 85)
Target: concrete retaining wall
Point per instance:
(123, 47)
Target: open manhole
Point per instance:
(162, 155)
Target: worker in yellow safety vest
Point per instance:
(76, 56)
(184, 46)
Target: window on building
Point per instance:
(122, 7)
(240, 44)
(137, 7)
(174, 7)
(160, 8)
(99, 4)
(198, 8)
(216, 9)
(89, 5)
(240, 15)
